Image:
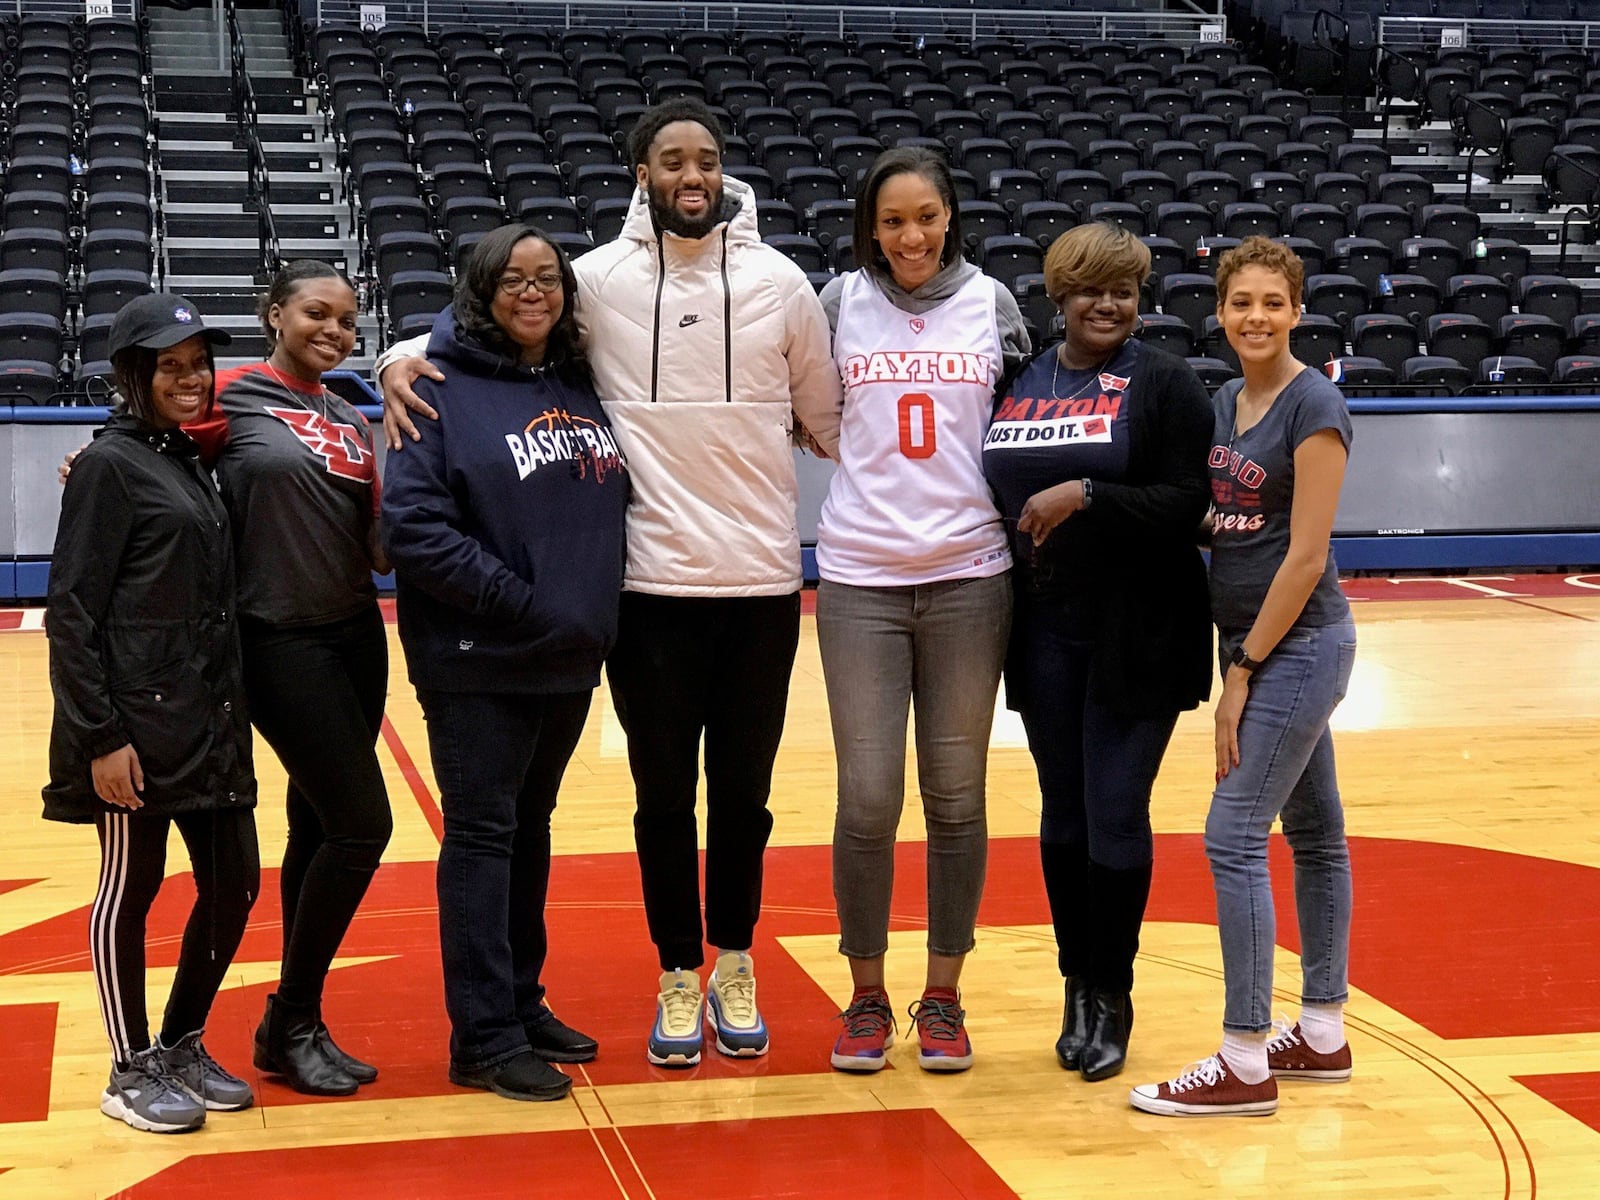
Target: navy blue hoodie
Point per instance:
(505, 527)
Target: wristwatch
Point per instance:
(1088, 491)
(1241, 659)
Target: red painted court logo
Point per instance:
(918, 324)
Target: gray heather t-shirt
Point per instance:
(1252, 492)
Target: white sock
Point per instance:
(1322, 1025)
(1246, 1055)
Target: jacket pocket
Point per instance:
(169, 722)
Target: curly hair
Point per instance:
(903, 160)
(1258, 251)
(473, 298)
(650, 125)
(284, 285)
(1094, 255)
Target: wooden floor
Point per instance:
(1469, 755)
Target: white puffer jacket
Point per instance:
(702, 349)
(703, 352)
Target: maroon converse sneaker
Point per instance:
(868, 1032)
(1290, 1057)
(1207, 1089)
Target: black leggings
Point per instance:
(316, 694)
(133, 860)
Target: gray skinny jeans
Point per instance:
(939, 646)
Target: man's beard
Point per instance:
(668, 218)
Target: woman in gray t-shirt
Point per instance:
(1287, 645)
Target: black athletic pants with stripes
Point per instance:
(133, 858)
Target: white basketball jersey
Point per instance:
(908, 503)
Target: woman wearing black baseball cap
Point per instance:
(150, 728)
(295, 467)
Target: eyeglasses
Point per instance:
(517, 285)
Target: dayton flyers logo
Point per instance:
(918, 324)
(1113, 383)
(340, 446)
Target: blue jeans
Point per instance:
(1285, 767)
(941, 647)
(498, 759)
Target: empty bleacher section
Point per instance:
(1403, 214)
(79, 214)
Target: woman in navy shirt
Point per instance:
(1286, 646)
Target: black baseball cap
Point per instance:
(158, 321)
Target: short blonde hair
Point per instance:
(1094, 255)
(1258, 251)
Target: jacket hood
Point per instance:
(445, 345)
(738, 214)
(940, 288)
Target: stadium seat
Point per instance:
(1435, 371)
(1388, 338)
(1459, 336)
(1530, 335)
(1510, 370)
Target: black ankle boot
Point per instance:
(1074, 1023)
(1105, 1051)
(286, 1045)
(351, 1065)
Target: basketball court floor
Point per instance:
(1469, 753)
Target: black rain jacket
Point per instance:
(144, 641)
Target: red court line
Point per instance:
(419, 788)
(1555, 612)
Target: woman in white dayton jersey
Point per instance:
(915, 602)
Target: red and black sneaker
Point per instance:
(1290, 1057)
(868, 1032)
(942, 1042)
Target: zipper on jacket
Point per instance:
(655, 337)
(727, 323)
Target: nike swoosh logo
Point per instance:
(687, 320)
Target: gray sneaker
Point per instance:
(149, 1097)
(203, 1077)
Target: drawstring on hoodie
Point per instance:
(655, 336)
(727, 318)
(727, 323)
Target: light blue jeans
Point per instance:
(939, 646)
(1285, 768)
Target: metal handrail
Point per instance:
(832, 19)
(258, 188)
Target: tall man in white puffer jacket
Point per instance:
(706, 346)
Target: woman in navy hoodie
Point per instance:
(506, 536)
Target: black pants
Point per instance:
(316, 694)
(683, 667)
(133, 859)
(1096, 769)
(499, 759)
